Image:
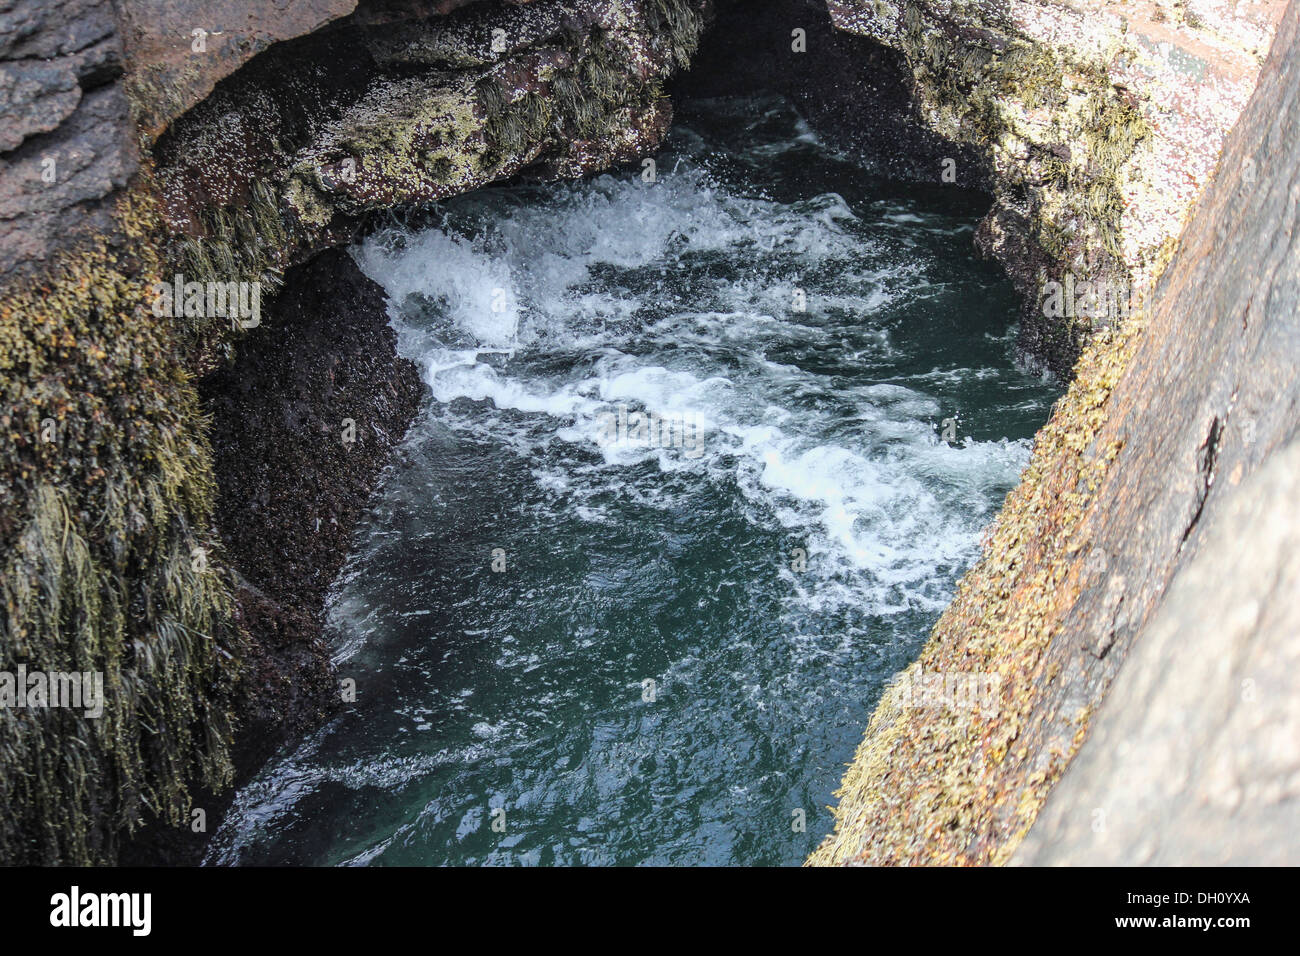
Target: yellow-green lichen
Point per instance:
(106, 499)
(933, 786)
(1056, 132)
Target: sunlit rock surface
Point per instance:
(1194, 757)
(1102, 122)
(1163, 423)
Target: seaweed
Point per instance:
(106, 498)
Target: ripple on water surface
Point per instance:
(676, 647)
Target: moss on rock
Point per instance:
(106, 501)
(1059, 136)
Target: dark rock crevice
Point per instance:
(856, 93)
(304, 422)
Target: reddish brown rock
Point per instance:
(178, 51)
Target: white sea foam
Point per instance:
(536, 314)
(590, 277)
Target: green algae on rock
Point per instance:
(112, 564)
(334, 127)
(110, 560)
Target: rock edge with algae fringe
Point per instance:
(333, 128)
(106, 499)
(923, 783)
(1099, 128)
(945, 786)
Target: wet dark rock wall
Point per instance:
(856, 92)
(305, 420)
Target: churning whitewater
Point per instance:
(677, 508)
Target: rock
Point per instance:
(325, 353)
(291, 492)
(365, 118)
(1205, 701)
(42, 30)
(178, 51)
(57, 190)
(1194, 759)
(277, 129)
(1095, 140)
(34, 98)
(1166, 417)
(65, 146)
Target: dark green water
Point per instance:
(540, 314)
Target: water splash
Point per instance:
(815, 325)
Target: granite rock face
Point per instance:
(1106, 550)
(1194, 759)
(1195, 755)
(1098, 123)
(305, 418)
(65, 150)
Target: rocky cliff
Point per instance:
(178, 489)
(1135, 487)
(1193, 757)
(146, 522)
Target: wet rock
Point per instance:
(1119, 535)
(293, 480)
(1096, 126)
(180, 50)
(293, 477)
(364, 118)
